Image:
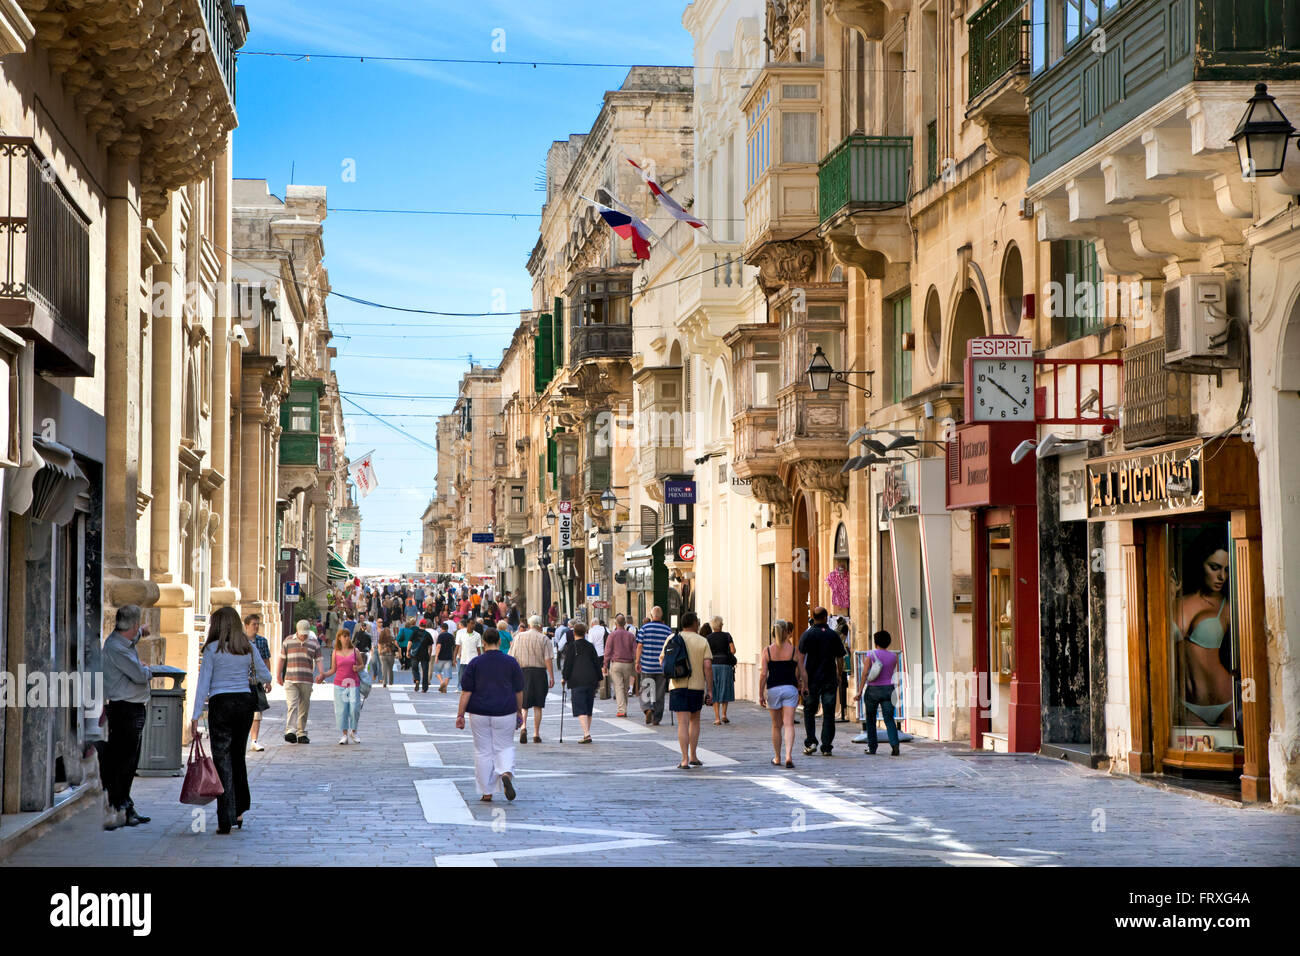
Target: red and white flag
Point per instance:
(668, 202)
(363, 473)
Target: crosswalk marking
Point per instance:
(490, 858)
(423, 753)
(442, 803)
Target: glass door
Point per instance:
(1001, 632)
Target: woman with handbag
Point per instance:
(228, 666)
(723, 649)
(346, 670)
(780, 681)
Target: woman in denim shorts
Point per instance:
(779, 684)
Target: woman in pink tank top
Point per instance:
(345, 670)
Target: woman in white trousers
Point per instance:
(492, 693)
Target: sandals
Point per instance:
(486, 798)
(536, 739)
(789, 765)
(726, 720)
(683, 766)
(776, 761)
(717, 723)
(585, 740)
(697, 763)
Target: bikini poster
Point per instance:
(1205, 667)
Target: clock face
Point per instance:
(1002, 390)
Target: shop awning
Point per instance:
(47, 489)
(337, 569)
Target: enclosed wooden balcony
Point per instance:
(599, 316)
(44, 261)
(755, 381)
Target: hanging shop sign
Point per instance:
(483, 537)
(679, 492)
(1186, 478)
(980, 472)
(566, 526)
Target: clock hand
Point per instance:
(994, 383)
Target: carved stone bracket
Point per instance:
(1006, 136)
(771, 490)
(295, 479)
(848, 252)
(823, 474)
(781, 263)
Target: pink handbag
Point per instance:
(202, 784)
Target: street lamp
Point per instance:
(551, 516)
(819, 372)
(1262, 135)
(608, 500)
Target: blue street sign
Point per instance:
(679, 492)
(292, 591)
(593, 589)
(483, 537)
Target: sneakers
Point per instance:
(355, 738)
(304, 739)
(256, 747)
(809, 749)
(343, 740)
(132, 819)
(508, 785)
(290, 739)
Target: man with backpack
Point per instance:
(688, 663)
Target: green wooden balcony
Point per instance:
(865, 172)
(1000, 34)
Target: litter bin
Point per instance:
(160, 746)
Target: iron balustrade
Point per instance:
(1000, 36)
(1157, 401)
(44, 238)
(218, 17)
(869, 172)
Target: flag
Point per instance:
(627, 226)
(668, 202)
(363, 473)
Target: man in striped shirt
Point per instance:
(650, 639)
(299, 661)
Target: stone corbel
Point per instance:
(783, 263)
(888, 235)
(848, 252)
(824, 475)
(771, 490)
(1007, 137)
(865, 16)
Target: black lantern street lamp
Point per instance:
(819, 372)
(1261, 136)
(608, 500)
(551, 517)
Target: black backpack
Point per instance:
(677, 662)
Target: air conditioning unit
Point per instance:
(1196, 317)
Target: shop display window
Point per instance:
(1204, 655)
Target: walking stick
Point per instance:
(563, 690)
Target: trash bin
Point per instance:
(160, 746)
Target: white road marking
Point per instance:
(627, 726)
(404, 710)
(423, 753)
(490, 858)
(777, 831)
(943, 856)
(707, 756)
(412, 728)
(820, 801)
(398, 696)
(442, 803)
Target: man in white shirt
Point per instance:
(469, 644)
(597, 634)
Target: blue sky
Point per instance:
(426, 136)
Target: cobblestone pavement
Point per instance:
(406, 795)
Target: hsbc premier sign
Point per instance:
(999, 346)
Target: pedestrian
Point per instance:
(820, 649)
(582, 674)
(779, 682)
(842, 629)
(492, 693)
(880, 692)
(691, 693)
(650, 638)
(404, 635)
(507, 636)
(421, 646)
(468, 645)
(126, 688)
(251, 624)
(227, 665)
(513, 617)
(553, 613)
(532, 650)
(445, 656)
(387, 654)
(723, 649)
(620, 661)
(347, 686)
(299, 662)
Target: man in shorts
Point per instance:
(532, 650)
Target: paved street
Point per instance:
(406, 796)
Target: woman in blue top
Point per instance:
(227, 667)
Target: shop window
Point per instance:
(1205, 693)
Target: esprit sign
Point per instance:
(1150, 484)
(999, 346)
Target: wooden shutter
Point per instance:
(558, 326)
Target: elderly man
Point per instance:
(126, 688)
(299, 662)
(620, 661)
(532, 651)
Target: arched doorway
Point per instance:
(967, 323)
(803, 563)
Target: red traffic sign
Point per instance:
(686, 552)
